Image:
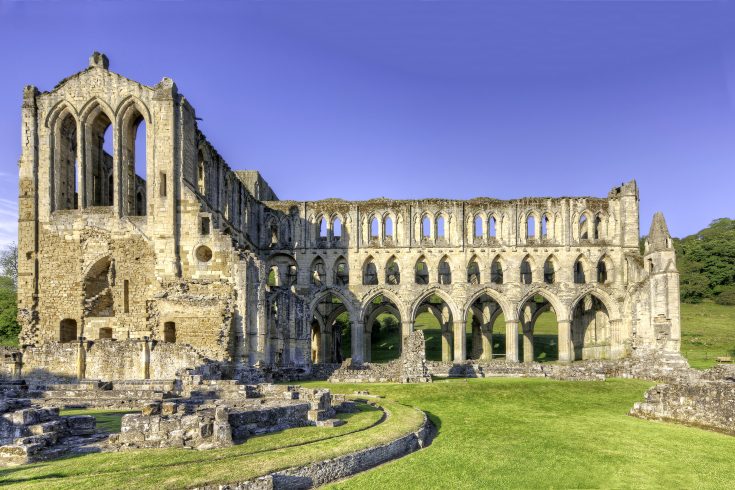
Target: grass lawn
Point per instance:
(707, 332)
(177, 468)
(107, 420)
(531, 433)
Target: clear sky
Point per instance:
(419, 99)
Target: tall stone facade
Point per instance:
(137, 276)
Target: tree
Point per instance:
(9, 263)
(9, 328)
(706, 262)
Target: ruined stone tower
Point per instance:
(150, 258)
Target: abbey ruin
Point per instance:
(133, 272)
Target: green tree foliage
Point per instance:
(9, 328)
(706, 262)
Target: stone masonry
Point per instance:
(137, 266)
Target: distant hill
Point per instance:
(706, 262)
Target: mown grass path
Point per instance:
(536, 433)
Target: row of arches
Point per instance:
(487, 330)
(283, 271)
(98, 154)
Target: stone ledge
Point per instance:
(322, 472)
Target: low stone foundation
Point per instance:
(330, 470)
(703, 403)
(29, 433)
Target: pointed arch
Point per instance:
(526, 269)
(421, 269)
(341, 272)
(492, 227)
(317, 272)
(474, 275)
(444, 270)
(426, 295)
(605, 273)
(369, 272)
(581, 270)
(426, 231)
(440, 227)
(392, 271)
(497, 270)
(551, 266)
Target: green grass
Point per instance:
(107, 420)
(177, 468)
(707, 332)
(537, 433)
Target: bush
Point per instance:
(726, 297)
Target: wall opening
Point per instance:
(67, 330)
(169, 332)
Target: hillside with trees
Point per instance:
(706, 263)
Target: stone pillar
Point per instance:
(487, 343)
(566, 341)
(358, 348)
(446, 344)
(368, 346)
(528, 343)
(81, 359)
(406, 329)
(460, 342)
(145, 359)
(511, 340)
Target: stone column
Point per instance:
(460, 342)
(368, 346)
(358, 348)
(528, 342)
(446, 343)
(145, 359)
(81, 359)
(487, 343)
(406, 329)
(565, 341)
(511, 340)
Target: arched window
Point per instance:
(530, 227)
(374, 228)
(201, 176)
(425, 227)
(273, 277)
(67, 330)
(598, 227)
(392, 272)
(473, 272)
(602, 272)
(318, 272)
(422, 272)
(274, 234)
(323, 228)
(341, 272)
(545, 227)
(496, 271)
(526, 271)
(65, 161)
(445, 271)
(169, 332)
(369, 273)
(388, 227)
(337, 228)
(579, 275)
(440, 227)
(549, 271)
(99, 160)
(492, 227)
(478, 226)
(583, 225)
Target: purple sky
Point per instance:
(419, 99)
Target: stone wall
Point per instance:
(708, 404)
